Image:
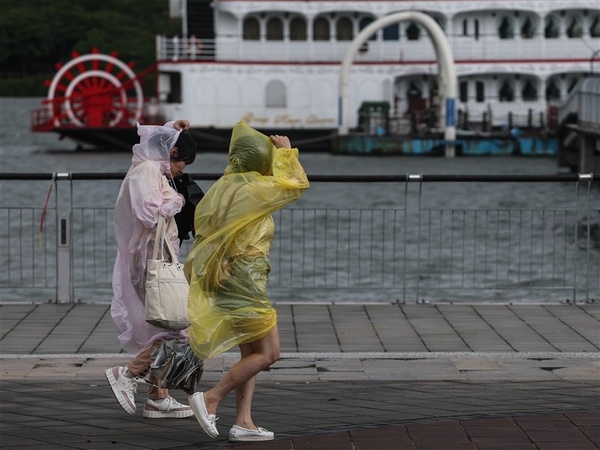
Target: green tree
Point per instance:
(37, 34)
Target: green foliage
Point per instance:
(29, 86)
(37, 34)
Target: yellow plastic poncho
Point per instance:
(228, 265)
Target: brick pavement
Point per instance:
(351, 377)
(88, 328)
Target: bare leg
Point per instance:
(256, 356)
(243, 396)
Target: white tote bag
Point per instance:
(166, 286)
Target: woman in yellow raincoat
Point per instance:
(228, 269)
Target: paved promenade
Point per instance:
(351, 377)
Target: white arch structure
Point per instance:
(447, 73)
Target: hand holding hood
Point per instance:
(156, 143)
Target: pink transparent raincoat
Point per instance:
(145, 193)
(228, 265)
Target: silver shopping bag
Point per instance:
(177, 366)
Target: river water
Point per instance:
(22, 151)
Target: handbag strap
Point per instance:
(160, 241)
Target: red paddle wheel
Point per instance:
(92, 91)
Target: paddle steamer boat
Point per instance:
(276, 64)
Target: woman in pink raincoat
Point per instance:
(146, 192)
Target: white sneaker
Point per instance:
(166, 408)
(207, 421)
(239, 434)
(124, 388)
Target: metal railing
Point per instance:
(490, 47)
(418, 249)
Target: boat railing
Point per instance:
(234, 48)
(185, 49)
(60, 113)
(58, 244)
(471, 119)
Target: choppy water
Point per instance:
(26, 152)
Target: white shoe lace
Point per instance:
(130, 383)
(173, 403)
(131, 387)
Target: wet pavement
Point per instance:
(350, 377)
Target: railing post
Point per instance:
(64, 288)
(587, 223)
(419, 179)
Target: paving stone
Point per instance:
(500, 365)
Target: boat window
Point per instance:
(506, 93)
(414, 94)
(505, 30)
(275, 94)
(572, 84)
(321, 29)
(274, 29)
(433, 89)
(169, 87)
(414, 90)
(595, 27)
(413, 32)
(529, 93)
(479, 92)
(527, 29)
(552, 29)
(552, 91)
(464, 91)
(391, 33)
(574, 27)
(364, 23)
(251, 29)
(297, 29)
(465, 28)
(343, 29)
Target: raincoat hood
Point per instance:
(249, 151)
(156, 143)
